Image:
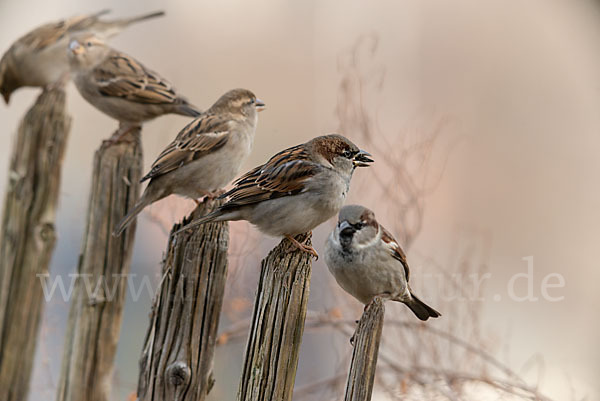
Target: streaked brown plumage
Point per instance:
(120, 86)
(296, 190)
(39, 58)
(203, 135)
(206, 155)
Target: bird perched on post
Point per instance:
(367, 262)
(120, 86)
(296, 190)
(39, 58)
(206, 155)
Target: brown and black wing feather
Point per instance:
(48, 34)
(418, 307)
(120, 75)
(200, 137)
(396, 251)
(284, 174)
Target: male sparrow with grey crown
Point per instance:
(206, 155)
(295, 191)
(120, 86)
(367, 262)
(39, 58)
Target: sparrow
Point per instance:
(120, 86)
(206, 155)
(295, 191)
(39, 58)
(367, 261)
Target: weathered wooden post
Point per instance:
(176, 361)
(364, 357)
(27, 236)
(273, 347)
(99, 292)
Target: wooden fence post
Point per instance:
(27, 236)
(273, 347)
(176, 361)
(99, 292)
(364, 357)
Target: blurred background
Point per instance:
(483, 118)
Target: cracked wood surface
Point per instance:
(361, 377)
(271, 358)
(28, 235)
(177, 357)
(99, 293)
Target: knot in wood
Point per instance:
(178, 373)
(46, 232)
(14, 178)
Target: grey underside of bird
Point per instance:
(196, 179)
(189, 181)
(288, 214)
(371, 272)
(130, 112)
(389, 284)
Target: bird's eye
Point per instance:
(252, 101)
(348, 154)
(89, 44)
(359, 225)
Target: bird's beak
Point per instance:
(75, 47)
(362, 159)
(345, 229)
(259, 104)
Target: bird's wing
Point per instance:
(395, 250)
(200, 137)
(120, 75)
(48, 34)
(285, 174)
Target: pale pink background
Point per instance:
(519, 80)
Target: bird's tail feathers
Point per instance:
(420, 308)
(101, 13)
(187, 109)
(126, 221)
(107, 29)
(111, 28)
(214, 216)
(144, 17)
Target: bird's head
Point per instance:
(9, 80)
(86, 50)
(239, 102)
(339, 152)
(356, 227)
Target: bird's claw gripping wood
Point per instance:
(303, 246)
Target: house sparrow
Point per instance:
(367, 262)
(295, 191)
(120, 86)
(206, 155)
(39, 58)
